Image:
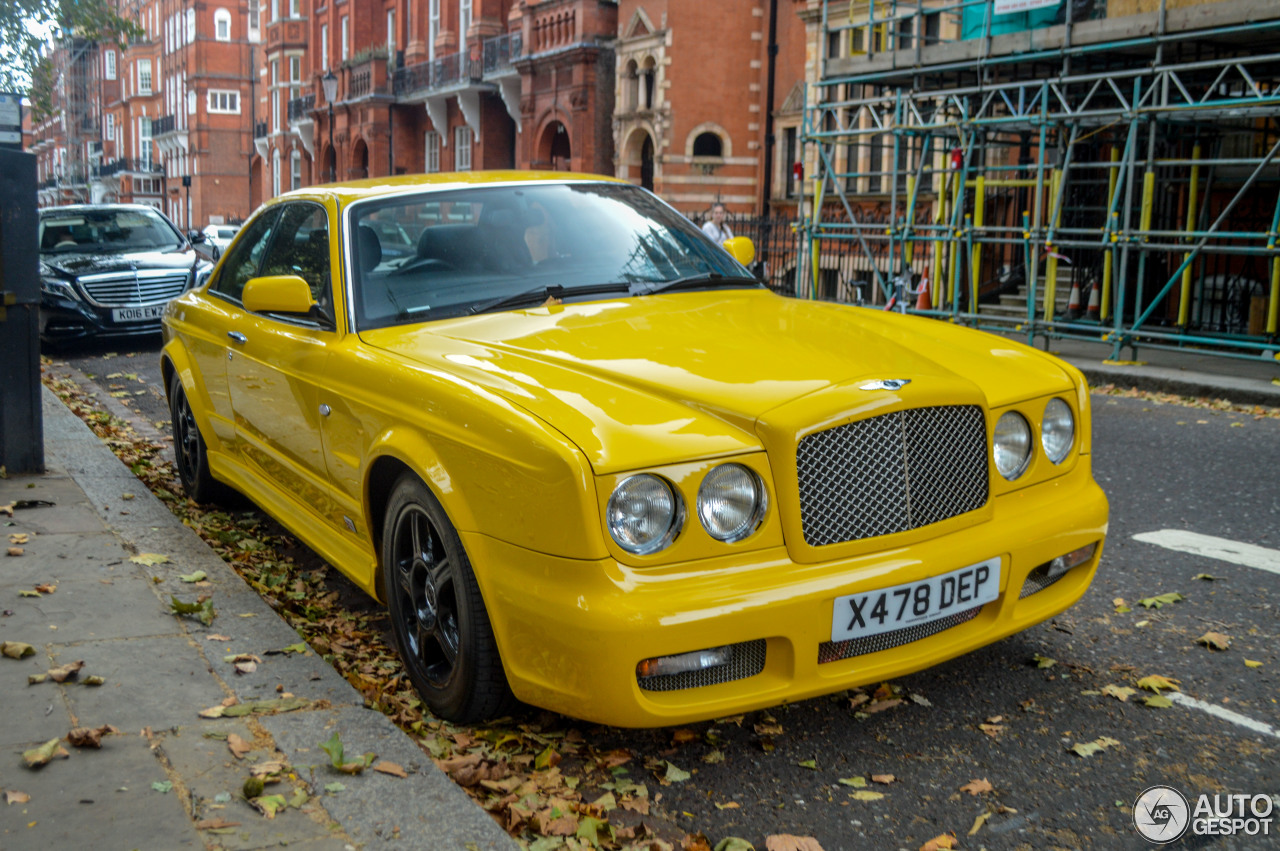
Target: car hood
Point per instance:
(77, 265)
(639, 382)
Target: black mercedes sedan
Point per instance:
(108, 270)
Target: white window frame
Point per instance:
(391, 32)
(191, 27)
(431, 152)
(462, 148)
(144, 141)
(295, 9)
(109, 60)
(295, 69)
(433, 27)
(109, 122)
(346, 41)
(324, 47)
(295, 170)
(222, 25)
(223, 101)
(464, 20)
(144, 74)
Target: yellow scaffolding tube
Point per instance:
(1108, 251)
(1184, 297)
(1051, 268)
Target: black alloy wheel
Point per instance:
(438, 618)
(190, 452)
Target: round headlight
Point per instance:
(1011, 445)
(731, 501)
(1058, 430)
(644, 514)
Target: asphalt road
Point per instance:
(1164, 467)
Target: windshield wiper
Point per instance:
(539, 295)
(689, 281)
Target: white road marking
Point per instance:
(1225, 714)
(1211, 547)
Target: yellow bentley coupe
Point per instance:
(588, 462)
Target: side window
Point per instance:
(301, 248)
(243, 261)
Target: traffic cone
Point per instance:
(923, 303)
(1073, 303)
(1095, 302)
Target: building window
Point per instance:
(222, 25)
(324, 47)
(294, 9)
(275, 172)
(224, 101)
(433, 27)
(462, 148)
(432, 153)
(346, 44)
(708, 145)
(191, 26)
(144, 77)
(144, 142)
(464, 20)
(110, 67)
(110, 121)
(275, 16)
(391, 32)
(295, 170)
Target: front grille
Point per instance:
(891, 473)
(747, 661)
(1038, 580)
(125, 289)
(834, 651)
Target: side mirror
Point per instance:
(195, 236)
(741, 249)
(277, 294)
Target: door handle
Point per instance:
(237, 336)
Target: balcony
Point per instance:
(162, 125)
(124, 165)
(170, 137)
(300, 109)
(442, 76)
(500, 52)
(367, 76)
(260, 130)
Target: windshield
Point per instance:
(106, 231)
(443, 254)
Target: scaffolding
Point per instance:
(77, 90)
(1094, 176)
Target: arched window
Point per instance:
(708, 145)
(222, 25)
(631, 87)
(649, 77)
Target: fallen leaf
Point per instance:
(390, 768)
(1214, 640)
(683, 736)
(811, 764)
(732, 805)
(941, 842)
(238, 746)
(1157, 701)
(201, 609)
(13, 796)
(1155, 683)
(269, 805)
(37, 757)
(215, 824)
(19, 538)
(734, 843)
(716, 756)
(856, 782)
(979, 822)
(335, 787)
(977, 787)
(16, 649)
(992, 730)
(881, 705)
(149, 559)
(94, 680)
(675, 775)
(768, 729)
(197, 576)
(15, 551)
(866, 795)
(163, 787)
(90, 737)
(886, 779)
(1121, 693)
(46, 588)
(1090, 748)
(62, 673)
(1206, 577)
(216, 637)
(1249, 663)
(1043, 661)
(787, 842)
(1161, 600)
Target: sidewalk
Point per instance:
(170, 774)
(169, 779)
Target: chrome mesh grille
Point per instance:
(834, 651)
(125, 290)
(891, 473)
(747, 661)
(1038, 580)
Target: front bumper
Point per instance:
(65, 320)
(571, 632)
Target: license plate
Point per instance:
(913, 603)
(137, 314)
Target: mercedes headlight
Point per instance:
(731, 501)
(644, 514)
(1011, 445)
(1058, 430)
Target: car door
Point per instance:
(275, 362)
(209, 334)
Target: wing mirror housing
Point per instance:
(741, 249)
(278, 294)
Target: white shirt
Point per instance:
(718, 234)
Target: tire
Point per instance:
(438, 619)
(191, 456)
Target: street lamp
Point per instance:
(330, 83)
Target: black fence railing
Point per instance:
(301, 108)
(776, 248)
(260, 130)
(164, 124)
(501, 51)
(124, 165)
(427, 76)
